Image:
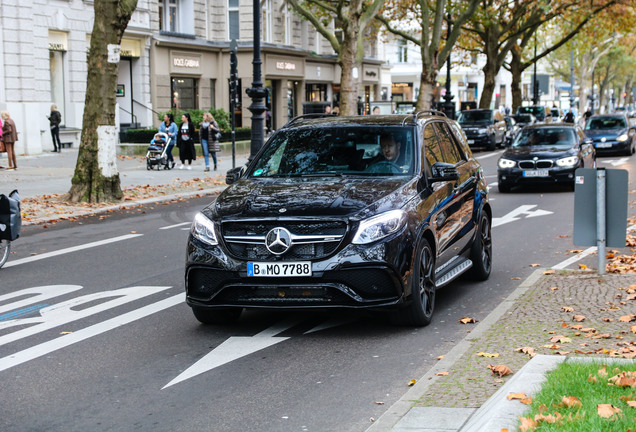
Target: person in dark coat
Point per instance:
(55, 118)
(569, 117)
(9, 137)
(185, 141)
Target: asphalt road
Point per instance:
(81, 351)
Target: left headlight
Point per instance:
(380, 226)
(568, 161)
(202, 229)
(623, 138)
(506, 163)
(484, 131)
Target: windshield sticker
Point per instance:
(258, 172)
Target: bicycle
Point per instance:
(10, 223)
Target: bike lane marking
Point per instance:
(69, 250)
(86, 333)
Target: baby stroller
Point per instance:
(157, 152)
(10, 223)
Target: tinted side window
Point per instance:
(432, 151)
(450, 150)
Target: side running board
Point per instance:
(454, 273)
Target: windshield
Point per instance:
(548, 137)
(524, 118)
(538, 112)
(606, 123)
(338, 150)
(476, 116)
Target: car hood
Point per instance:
(605, 133)
(291, 197)
(539, 152)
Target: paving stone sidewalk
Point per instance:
(542, 318)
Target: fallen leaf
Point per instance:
(632, 329)
(467, 320)
(578, 318)
(561, 339)
(485, 354)
(582, 267)
(554, 288)
(527, 424)
(526, 401)
(631, 404)
(549, 272)
(501, 370)
(412, 382)
(591, 378)
(608, 319)
(442, 373)
(535, 265)
(607, 410)
(379, 403)
(526, 350)
(567, 309)
(571, 402)
(440, 357)
(627, 318)
(512, 396)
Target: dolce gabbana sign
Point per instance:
(182, 62)
(283, 65)
(286, 67)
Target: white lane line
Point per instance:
(88, 332)
(69, 250)
(488, 155)
(586, 252)
(175, 225)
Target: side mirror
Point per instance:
(234, 174)
(444, 172)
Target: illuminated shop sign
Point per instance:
(185, 62)
(283, 65)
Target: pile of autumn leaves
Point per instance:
(623, 263)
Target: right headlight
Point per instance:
(202, 229)
(622, 138)
(506, 163)
(380, 226)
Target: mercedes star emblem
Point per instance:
(278, 241)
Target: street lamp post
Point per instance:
(257, 92)
(449, 106)
(571, 79)
(535, 87)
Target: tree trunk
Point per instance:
(428, 80)
(96, 177)
(349, 83)
(490, 69)
(516, 69)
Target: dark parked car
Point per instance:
(545, 153)
(348, 212)
(524, 119)
(611, 134)
(483, 127)
(537, 111)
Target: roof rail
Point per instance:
(416, 115)
(306, 116)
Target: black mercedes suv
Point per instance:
(344, 212)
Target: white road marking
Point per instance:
(69, 250)
(88, 332)
(175, 225)
(329, 324)
(64, 313)
(234, 348)
(497, 153)
(35, 295)
(613, 162)
(518, 212)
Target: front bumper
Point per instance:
(517, 176)
(480, 140)
(357, 276)
(611, 146)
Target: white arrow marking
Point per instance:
(329, 324)
(518, 212)
(234, 348)
(615, 162)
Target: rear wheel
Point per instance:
(216, 316)
(5, 248)
(148, 165)
(420, 311)
(481, 251)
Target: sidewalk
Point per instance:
(42, 181)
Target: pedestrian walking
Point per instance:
(205, 135)
(215, 139)
(569, 117)
(169, 127)
(55, 118)
(9, 138)
(2, 148)
(185, 141)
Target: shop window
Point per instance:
(176, 16)
(238, 105)
(287, 24)
(56, 59)
(185, 93)
(213, 93)
(315, 92)
(403, 51)
(233, 19)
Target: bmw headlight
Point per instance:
(380, 226)
(622, 138)
(506, 163)
(568, 161)
(202, 229)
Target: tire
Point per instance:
(503, 188)
(419, 312)
(481, 251)
(217, 316)
(148, 165)
(5, 248)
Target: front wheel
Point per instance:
(420, 311)
(481, 251)
(217, 316)
(5, 248)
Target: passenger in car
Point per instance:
(390, 154)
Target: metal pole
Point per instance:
(571, 79)
(449, 106)
(592, 109)
(257, 93)
(600, 218)
(535, 88)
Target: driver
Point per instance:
(390, 151)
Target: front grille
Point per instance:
(247, 240)
(205, 283)
(541, 164)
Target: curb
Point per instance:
(399, 409)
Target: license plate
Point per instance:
(279, 269)
(471, 141)
(603, 145)
(536, 173)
